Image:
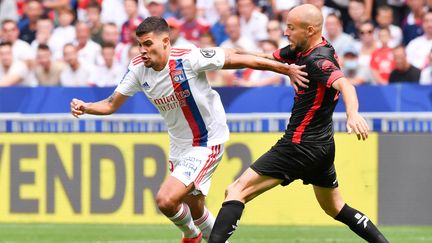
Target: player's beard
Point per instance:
(301, 46)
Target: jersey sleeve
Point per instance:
(203, 59)
(324, 71)
(285, 55)
(129, 84)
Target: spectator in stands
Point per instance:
(368, 44)
(356, 72)
(404, 71)
(416, 53)
(218, 29)
(93, 11)
(253, 23)
(358, 15)
(128, 27)
(58, 5)
(88, 50)
(13, 71)
(133, 51)
(382, 58)
(110, 34)
(256, 78)
(206, 10)
(275, 33)
(75, 73)
(157, 8)
(8, 10)
(206, 40)
(384, 20)
(426, 73)
(113, 11)
(335, 35)
(110, 72)
(192, 26)
(177, 40)
(236, 39)
(44, 29)
(64, 33)
(21, 50)
(412, 24)
(33, 11)
(47, 71)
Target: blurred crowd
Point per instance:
(78, 43)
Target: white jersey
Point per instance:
(192, 110)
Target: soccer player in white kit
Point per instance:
(174, 80)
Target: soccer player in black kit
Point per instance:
(307, 150)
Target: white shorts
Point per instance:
(195, 165)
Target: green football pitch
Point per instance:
(98, 233)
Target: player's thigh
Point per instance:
(249, 185)
(330, 199)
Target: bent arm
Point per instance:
(103, 107)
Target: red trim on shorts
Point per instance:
(210, 161)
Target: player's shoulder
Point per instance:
(178, 52)
(136, 62)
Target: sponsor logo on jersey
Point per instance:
(208, 53)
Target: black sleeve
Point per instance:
(324, 71)
(285, 55)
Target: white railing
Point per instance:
(250, 122)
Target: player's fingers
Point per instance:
(304, 80)
(300, 83)
(294, 85)
(357, 131)
(302, 67)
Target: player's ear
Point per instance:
(166, 42)
(311, 30)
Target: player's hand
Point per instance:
(298, 77)
(77, 107)
(358, 124)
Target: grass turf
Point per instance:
(97, 233)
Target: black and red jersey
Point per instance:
(311, 115)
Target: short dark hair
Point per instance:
(6, 43)
(152, 24)
(43, 47)
(108, 45)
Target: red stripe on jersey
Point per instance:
(179, 53)
(136, 58)
(179, 49)
(309, 115)
(187, 112)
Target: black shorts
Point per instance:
(314, 164)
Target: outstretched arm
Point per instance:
(103, 107)
(233, 60)
(355, 122)
(258, 54)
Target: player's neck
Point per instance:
(313, 43)
(164, 60)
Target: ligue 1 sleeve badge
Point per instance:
(208, 53)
